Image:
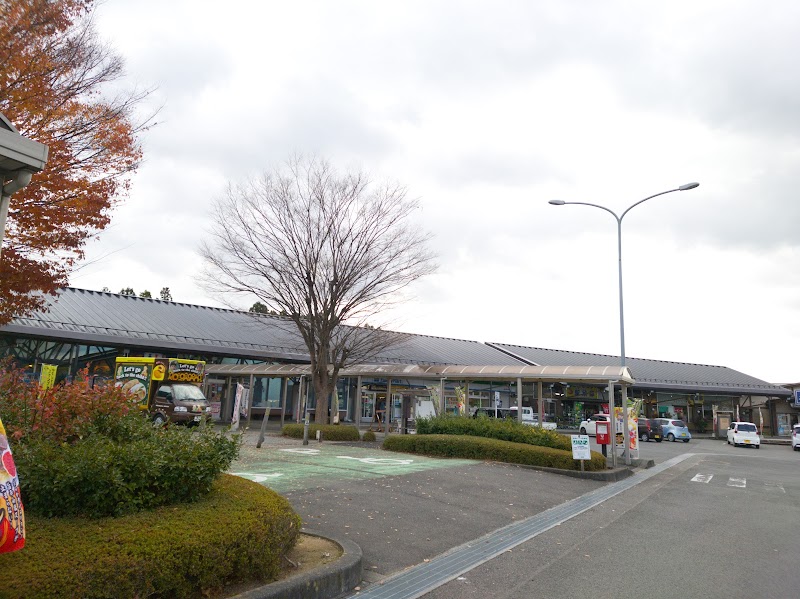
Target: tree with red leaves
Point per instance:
(54, 73)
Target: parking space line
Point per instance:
(737, 482)
(702, 478)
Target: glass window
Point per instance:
(748, 428)
(187, 392)
(679, 423)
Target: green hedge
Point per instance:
(330, 432)
(238, 532)
(504, 429)
(128, 466)
(479, 448)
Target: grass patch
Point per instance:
(238, 532)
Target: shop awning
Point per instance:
(549, 374)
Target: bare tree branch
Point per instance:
(329, 250)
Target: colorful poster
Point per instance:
(12, 516)
(633, 427)
(47, 377)
(134, 378)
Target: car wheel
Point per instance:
(686, 440)
(645, 437)
(583, 430)
(159, 420)
(670, 437)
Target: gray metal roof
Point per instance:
(655, 374)
(100, 318)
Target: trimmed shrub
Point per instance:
(330, 432)
(125, 466)
(237, 533)
(504, 429)
(478, 448)
(368, 436)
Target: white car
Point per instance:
(589, 427)
(796, 437)
(531, 418)
(744, 433)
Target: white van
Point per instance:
(530, 418)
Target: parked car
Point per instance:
(530, 417)
(490, 413)
(796, 437)
(589, 427)
(650, 429)
(744, 433)
(674, 430)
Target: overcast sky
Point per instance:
(487, 110)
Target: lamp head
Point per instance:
(557, 202)
(687, 186)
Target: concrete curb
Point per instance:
(604, 475)
(327, 582)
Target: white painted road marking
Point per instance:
(303, 451)
(378, 461)
(257, 477)
(774, 487)
(737, 482)
(702, 478)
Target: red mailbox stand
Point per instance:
(602, 436)
(602, 433)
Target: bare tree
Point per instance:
(329, 250)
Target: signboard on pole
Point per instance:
(47, 377)
(580, 447)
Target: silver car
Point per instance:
(675, 430)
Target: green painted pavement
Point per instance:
(293, 468)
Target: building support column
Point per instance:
(540, 402)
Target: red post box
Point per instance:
(602, 433)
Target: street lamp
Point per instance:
(619, 218)
(20, 158)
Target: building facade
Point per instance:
(86, 330)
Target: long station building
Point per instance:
(85, 330)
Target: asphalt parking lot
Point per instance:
(400, 509)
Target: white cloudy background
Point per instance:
(487, 110)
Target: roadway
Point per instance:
(718, 523)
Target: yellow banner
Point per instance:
(47, 378)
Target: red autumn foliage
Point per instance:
(61, 414)
(53, 74)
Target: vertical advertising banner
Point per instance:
(47, 378)
(633, 426)
(12, 516)
(240, 398)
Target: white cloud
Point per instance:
(486, 111)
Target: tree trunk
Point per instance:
(322, 392)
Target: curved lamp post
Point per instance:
(619, 218)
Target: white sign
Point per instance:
(580, 447)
